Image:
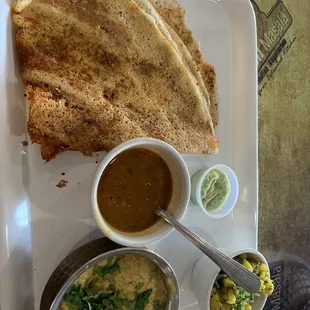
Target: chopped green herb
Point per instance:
(142, 299)
(74, 296)
(218, 278)
(139, 286)
(104, 270)
(110, 260)
(108, 268)
(79, 298)
(240, 306)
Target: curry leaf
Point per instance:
(139, 286)
(73, 297)
(79, 298)
(82, 298)
(109, 268)
(104, 270)
(142, 299)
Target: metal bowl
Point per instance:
(163, 265)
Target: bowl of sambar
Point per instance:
(133, 180)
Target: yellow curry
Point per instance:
(226, 295)
(126, 282)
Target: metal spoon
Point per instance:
(239, 274)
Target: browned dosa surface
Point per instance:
(99, 73)
(174, 14)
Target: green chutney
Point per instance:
(215, 189)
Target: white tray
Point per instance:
(40, 223)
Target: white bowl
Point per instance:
(179, 199)
(227, 207)
(205, 273)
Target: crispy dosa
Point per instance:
(181, 49)
(175, 16)
(101, 72)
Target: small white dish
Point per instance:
(205, 273)
(178, 202)
(196, 183)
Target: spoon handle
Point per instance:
(238, 273)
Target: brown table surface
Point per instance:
(284, 144)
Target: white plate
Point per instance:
(40, 223)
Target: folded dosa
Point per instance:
(181, 49)
(101, 72)
(175, 16)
